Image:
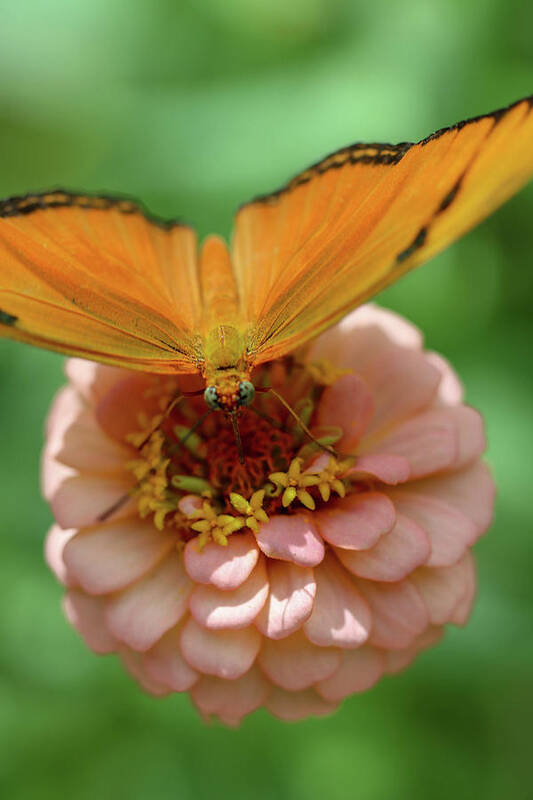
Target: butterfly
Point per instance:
(99, 278)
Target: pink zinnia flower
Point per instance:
(298, 579)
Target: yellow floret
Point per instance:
(253, 509)
(212, 525)
(295, 484)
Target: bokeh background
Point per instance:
(195, 106)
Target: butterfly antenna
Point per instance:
(195, 427)
(302, 424)
(267, 417)
(237, 433)
(170, 407)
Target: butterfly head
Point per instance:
(229, 395)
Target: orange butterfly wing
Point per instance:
(353, 223)
(94, 277)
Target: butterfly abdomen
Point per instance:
(223, 347)
(222, 320)
(220, 298)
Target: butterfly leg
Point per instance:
(118, 504)
(302, 424)
(237, 433)
(170, 407)
(195, 427)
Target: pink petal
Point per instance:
(84, 446)
(190, 503)
(464, 607)
(290, 601)
(347, 404)
(389, 469)
(292, 706)
(398, 660)
(109, 557)
(393, 557)
(350, 345)
(134, 664)
(471, 434)
(74, 437)
(363, 336)
(402, 383)
(358, 671)
(471, 491)
(450, 392)
(117, 411)
(462, 612)
(82, 499)
(443, 588)
(428, 638)
(53, 475)
(294, 663)
(357, 521)
(54, 545)
(67, 406)
(291, 538)
(224, 567)
(442, 438)
(341, 616)
(450, 532)
(165, 664)
(429, 442)
(92, 380)
(142, 613)
(398, 613)
(217, 609)
(317, 463)
(87, 615)
(225, 654)
(231, 699)
(397, 329)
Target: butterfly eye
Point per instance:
(211, 398)
(246, 393)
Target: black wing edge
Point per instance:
(374, 153)
(20, 205)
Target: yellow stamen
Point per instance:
(305, 499)
(211, 525)
(328, 478)
(253, 510)
(150, 469)
(146, 425)
(295, 484)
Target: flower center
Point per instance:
(265, 446)
(188, 471)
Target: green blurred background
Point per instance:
(195, 107)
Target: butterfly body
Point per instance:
(225, 354)
(224, 344)
(97, 277)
